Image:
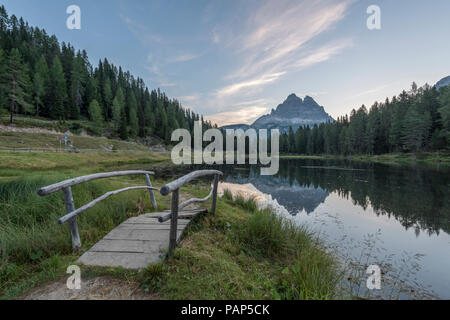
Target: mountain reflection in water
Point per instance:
(417, 198)
(392, 216)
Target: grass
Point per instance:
(244, 253)
(428, 158)
(20, 162)
(49, 142)
(239, 253)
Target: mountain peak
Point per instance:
(294, 112)
(443, 82)
(292, 96)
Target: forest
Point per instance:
(414, 121)
(40, 77)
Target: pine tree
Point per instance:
(117, 108)
(149, 117)
(40, 83)
(95, 115)
(291, 140)
(444, 112)
(123, 131)
(57, 93)
(14, 83)
(396, 129)
(108, 99)
(2, 71)
(77, 81)
(413, 130)
(134, 124)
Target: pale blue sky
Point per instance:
(235, 60)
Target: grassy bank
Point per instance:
(240, 253)
(428, 158)
(244, 253)
(47, 141)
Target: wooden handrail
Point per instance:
(95, 201)
(70, 182)
(185, 204)
(178, 183)
(174, 188)
(71, 216)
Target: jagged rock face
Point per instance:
(443, 82)
(293, 112)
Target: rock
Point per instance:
(293, 112)
(443, 82)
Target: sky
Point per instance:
(234, 61)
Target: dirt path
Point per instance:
(99, 288)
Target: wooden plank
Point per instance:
(141, 226)
(133, 234)
(167, 216)
(136, 246)
(128, 260)
(152, 220)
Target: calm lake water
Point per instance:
(395, 217)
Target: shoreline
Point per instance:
(428, 158)
(239, 253)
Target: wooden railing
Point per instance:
(71, 216)
(174, 188)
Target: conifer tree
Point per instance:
(117, 108)
(95, 115)
(15, 83)
(40, 83)
(57, 94)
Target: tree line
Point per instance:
(414, 121)
(40, 77)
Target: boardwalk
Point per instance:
(142, 240)
(137, 242)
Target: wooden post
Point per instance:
(173, 222)
(214, 195)
(150, 191)
(73, 225)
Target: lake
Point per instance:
(367, 214)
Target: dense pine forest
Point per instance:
(41, 77)
(414, 121)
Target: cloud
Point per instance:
(322, 54)
(184, 57)
(140, 31)
(277, 40)
(188, 99)
(236, 87)
(245, 115)
(279, 29)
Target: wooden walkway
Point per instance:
(141, 240)
(137, 242)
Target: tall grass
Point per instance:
(308, 270)
(29, 232)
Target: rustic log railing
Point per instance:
(174, 188)
(71, 216)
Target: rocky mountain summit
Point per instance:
(443, 82)
(293, 112)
